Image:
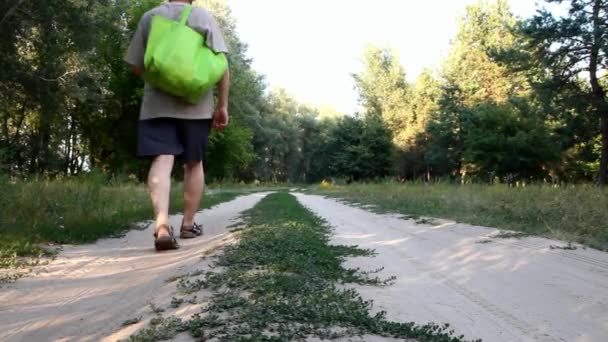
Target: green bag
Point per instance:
(177, 60)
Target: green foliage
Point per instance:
(359, 149)
(282, 139)
(469, 67)
(501, 141)
(475, 88)
(46, 86)
(384, 92)
(229, 152)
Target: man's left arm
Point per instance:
(215, 41)
(220, 117)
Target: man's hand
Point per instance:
(220, 118)
(137, 71)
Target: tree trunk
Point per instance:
(15, 139)
(599, 94)
(69, 141)
(400, 165)
(602, 177)
(5, 131)
(44, 140)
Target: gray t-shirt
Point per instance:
(156, 103)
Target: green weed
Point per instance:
(281, 283)
(568, 247)
(510, 235)
(160, 329)
(131, 321)
(176, 302)
(156, 310)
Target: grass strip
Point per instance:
(572, 213)
(281, 282)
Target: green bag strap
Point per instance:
(185, 14)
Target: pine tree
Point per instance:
(575, 46)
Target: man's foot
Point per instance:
(190, 232)
(164, 239)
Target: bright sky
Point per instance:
(312, 47)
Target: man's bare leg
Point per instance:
(159, 183)
(194, 184)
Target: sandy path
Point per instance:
(507, 290)
(88, 291)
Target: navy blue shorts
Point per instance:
(187, 140)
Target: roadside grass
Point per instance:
(79, 210)
(571, 213)
(281, 282)
(228, 186)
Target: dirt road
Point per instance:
(502, 290)
(496, 289)
(89, 291)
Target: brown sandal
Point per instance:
(165, 242)
(191, 232)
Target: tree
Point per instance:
(501, 141)
(572, 45)
(46, 80)
(230, 153)
(353, 148)
(470, 67)
(471, 78)
(424, 103)
(323, 147)
(378, 149)
(383, 91)
(445, 134)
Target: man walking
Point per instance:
(170, 128)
